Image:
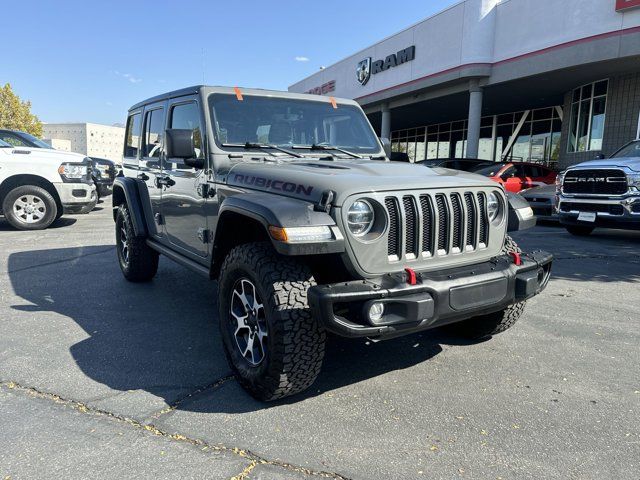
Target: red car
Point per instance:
(517, 176)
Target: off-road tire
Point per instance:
(492, 323)
(49, 202)
(579, 230)
(141, 264)
(295, 341)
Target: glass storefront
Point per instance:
(530, 136)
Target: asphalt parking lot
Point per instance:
(102, 379)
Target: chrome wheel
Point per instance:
(247, 319)
(29, 209)
(124, 244)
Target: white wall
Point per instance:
(92, 139)
(476, 32)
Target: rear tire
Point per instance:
(493, 323)
(263, 298)
(30, 208)
(579, 231)
(138, 262)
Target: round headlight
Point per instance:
(360, 218)
(493, 206)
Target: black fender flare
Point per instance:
(517, 204)
(281, 211)
(137, 200)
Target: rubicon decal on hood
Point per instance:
(278, 185)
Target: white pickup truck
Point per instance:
(37, 185)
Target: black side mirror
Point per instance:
(386, 145)
(600, 156)
(179, 144)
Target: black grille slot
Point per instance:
(427, 224)
(484, 220)
(595, 182)
(443, 224)
(472, 215)
(411, 226)
(393, 243)
(456, 205)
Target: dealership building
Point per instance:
(548, 81)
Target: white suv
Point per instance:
(37, 186)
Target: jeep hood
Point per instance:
(308, 178)
(632, 163)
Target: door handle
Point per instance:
(143, 176)
(165, 181)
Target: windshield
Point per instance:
(488, 171)
(631, 150)
(4, 144)
(288, 122)
(35, 141)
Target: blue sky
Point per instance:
(89, 61)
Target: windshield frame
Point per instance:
(222, 147)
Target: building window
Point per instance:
(588, 111)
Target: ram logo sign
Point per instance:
(626, 4)
(367, 67)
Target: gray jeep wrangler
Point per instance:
(291, 203)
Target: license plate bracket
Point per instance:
(587, 217)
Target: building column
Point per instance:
(385, 131)
(475, 117)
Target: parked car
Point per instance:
(103, 171)
(290, 202)
(517, 176)
(17, 138)
(464, 164)
(37, 186)
(543, 201)
(602, 193)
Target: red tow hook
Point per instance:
(517, 258)
(411, 276)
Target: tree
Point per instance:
(16, 114)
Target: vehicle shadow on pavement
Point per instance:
(60, 223)
(162, 337)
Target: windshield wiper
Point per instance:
(323, 146)
(263, 146)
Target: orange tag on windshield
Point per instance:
(238, 93)
(333, 102)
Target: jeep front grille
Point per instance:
(436, 224)
(597, 181)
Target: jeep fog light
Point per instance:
(300, 234)
(376, 310)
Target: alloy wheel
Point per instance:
(248, 322)
(29, 209)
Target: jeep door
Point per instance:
(183, 198)
(151, 156)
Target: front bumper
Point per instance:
(75, 194)
(610, 213)
(436, 299)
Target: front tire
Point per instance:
(30, 208)
(579, 231)
(493, 323)
(138, 262)
(272, 342)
